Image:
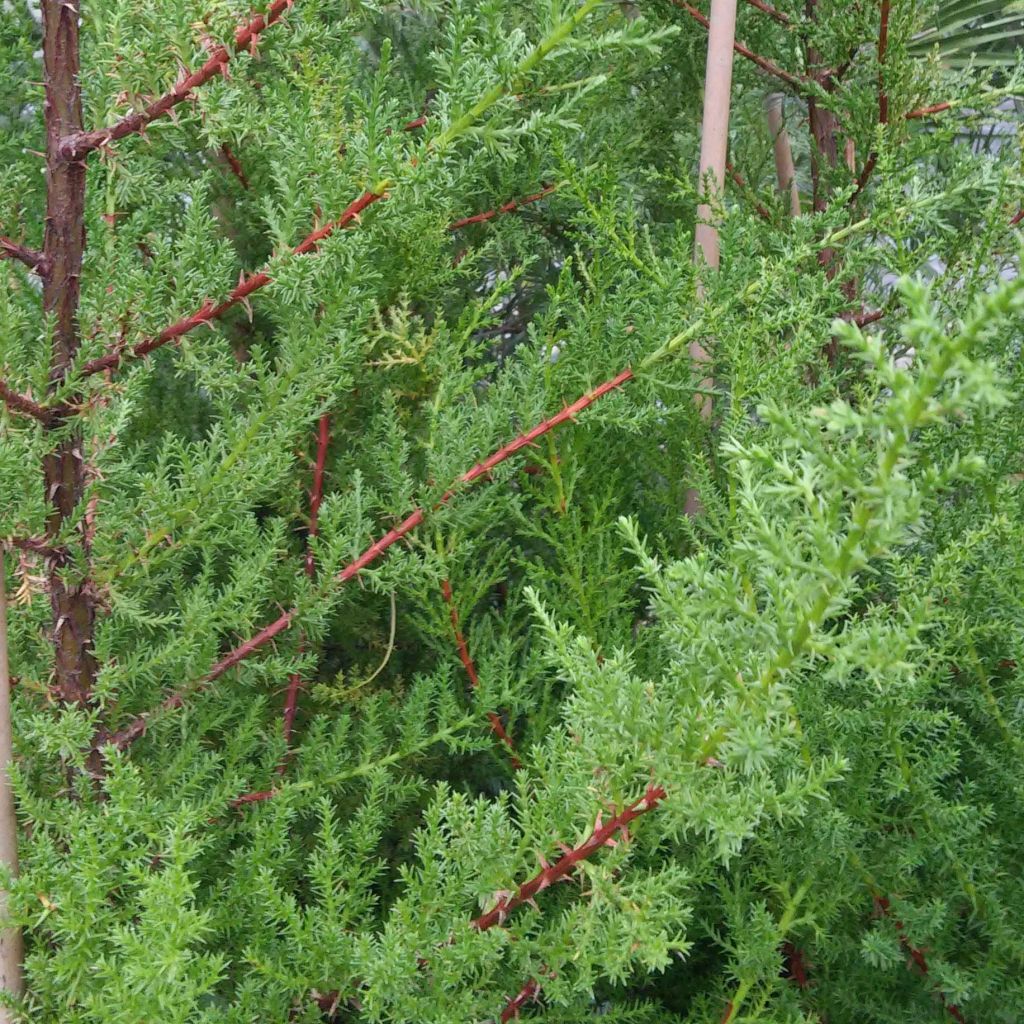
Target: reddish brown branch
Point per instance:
(235, 164)
(137, 727)
(741, 183)
(883, 98)
(762, 62)
(1017, 218)
(529, 991)
(24, 404)
(513, 204)
(526, 440)
(935, 108)
(796, 965)
(73, 603)
(79, 144)
(36, 546)
(602, 835)
(316, 497)
(915, 955)
(32, 258)
(316, 494)
(782, 19)
(209, 311)
(253, 798)
(467, 663)
(868, 317)
(883, 46)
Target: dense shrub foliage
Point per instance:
(772, 750)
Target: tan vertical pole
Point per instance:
(785, 169)
(714, 144)
(714, 138)
(11, 951)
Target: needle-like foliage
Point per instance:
(367, 665)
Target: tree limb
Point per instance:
(78, 145)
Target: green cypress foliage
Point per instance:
(391, 681)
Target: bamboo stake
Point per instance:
(11, 947)
(785, 169)
(714, 142)
(715, 127)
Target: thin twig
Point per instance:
(883, 99)
(36, 546)
(235, 164)
(24, 404)
(32, 258)
(763, 212)
(80, 144)
(514, 204)
(316, 496)
(529, 991)
(762, 62)
(935, 108)
(209, 311)
(467, 663)
(868, 317)
(916, 956)
(782, 19)
(603, 834)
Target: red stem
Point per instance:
(316, 495)
(291, 702)
(253, 798)
(208, 311)
(467, 663)
(883, 98)
(529, 991)
(551, 873)
(740, 181)
(513, 204)
(1017, 218)
(137, 728)
(796, 965)
(916, 955)
(762, 62)
(24, 404)
(935, 108)
(863, 319)
(235, 164)
(32, 258)
(80, 144)
(37, 546)
(764, 8)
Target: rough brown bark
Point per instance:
(73, 605)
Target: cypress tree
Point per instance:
(371, 658)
